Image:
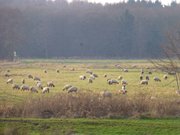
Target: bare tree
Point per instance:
(171, 61)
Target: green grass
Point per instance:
(89, 127)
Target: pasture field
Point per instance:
(89, 127)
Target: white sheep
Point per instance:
(9, 81)
(144, 82)
(72, 89)
(30, 76)
(92, 77)
(33, 89)
(95, 75)
(90, 80)
(37, 78)
(45, 90)
(15, 86)
(165, 77)
(125, 70)
(57, 70)
(120, 77)
(67, 86)
(25, 87)
(124, 82)
(82, 77)
(50, 84)
(39, 85)
(89, 72)
(147, 77)
(105, 94)
(141, 77)
(111, 81)
(23, 81)
(123, 90)
(157, 79)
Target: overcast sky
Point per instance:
(165, 2)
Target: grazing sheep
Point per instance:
(92, 77)
(134, 66)
(95, 75)
(123, 90)
(105, 94)
(150, 72)
(147, 77)
(105, 75)
(124, 82)
(67, 86)
(37, 78)
(23, 81)
(72, 89)
(39, 85)
(89, 72)
(142, 71)
(120, 77)
(15, 86)
(33, 89)
(165, 77)
(57, 70)
(72, 69)
(50, 84)
(45, 71)
(141, 77)
(6, 75)
(144, 82)
(25, 87)
(30, 76)
(157, 79)
(9, 81)
(82, 77)
(125, 70)
(172, 73)
(45, 90)
(90, 80)
(111, 81)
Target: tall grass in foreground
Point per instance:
(93, 105)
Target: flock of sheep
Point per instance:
(90, 76)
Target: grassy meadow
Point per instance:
(132, 113)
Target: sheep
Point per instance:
(172, 73)
(90, 80)
(45, 71)
(30, 76)
(37, 78)
(178, 92)
(125, 70)
(72, 69)
(57, 70)
(50, 84)
(95, 75)
(105, 75)
(157, 79)
(67, 86)
(92, 77)
(9, 81)
(111, 81)
(120, 77)
(23, 81)
(6, 75)
(89, 72)
(123, 90)
(45, 90)
(33, 89)
(72, 89)
(144, 82)
(150, 72)
(105, 94)
(142, 71)
(15, 86)
(25, 87)
(141, 77)
(165, 77)
(39, 85)
(147, 77)
(82, 77)
(124, 82)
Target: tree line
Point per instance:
(53, 29)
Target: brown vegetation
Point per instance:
(93, 105)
